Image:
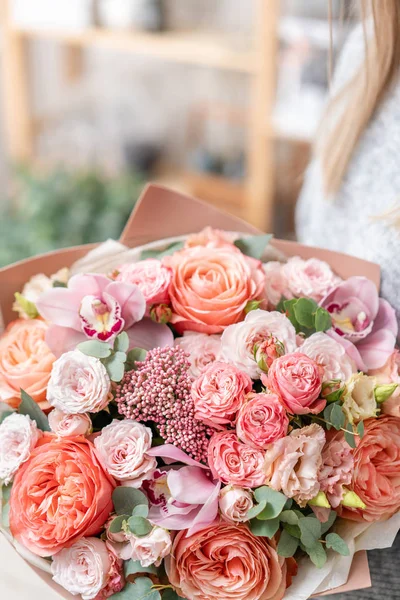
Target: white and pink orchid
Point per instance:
(94, 307)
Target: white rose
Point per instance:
(149, 550)
(18, 437)
(330, 355)
(78, 384)
(203, 349)
(238, 341)
(234, 504)
(359, 399)
(83, 568)
(66, 425)
(312, 278)
(122, 447)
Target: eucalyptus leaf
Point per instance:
(349, 436)
(135, 355)
(141, 510)
(310, 529)
(264, 528)
(361, 429)
(317, 554)
(6, 492)
(334, 541)
(304, 310)
(116, 524)
(132, 567)
(95, 348)
(256, 510)
(337, 417)
(29, 407)
(254, 245)
(139, 526)
(290, 516)
(126, 498)
(331, 519)
(294, 530)
(323, 320)
(115, 366)
(275, 501)
(287, 545)
(5, 414)
(121, 343)
(141, 589)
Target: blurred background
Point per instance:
(218, 99)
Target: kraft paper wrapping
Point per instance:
(159, 214)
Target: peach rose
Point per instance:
(211, 238)
(234, 462)
(376, 476)
(219, 393)
(64, 478)
(226, 562)
(296, 378)
(262, 420)
(210, 287)
(25, 362)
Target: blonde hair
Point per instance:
(357, 101)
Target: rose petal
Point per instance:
(130, 299)
(190, 485)
(148, 335)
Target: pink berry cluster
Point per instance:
(160, 391)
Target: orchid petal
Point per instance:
(190, 485)
(171, 454)
(386, 318)
(351, 350)
(130, 299)
(376, 348)
(88, 284)
(63, 339)
(61, 307)
(207, 513)
(148, 335)
(357, 287)
(175, 522)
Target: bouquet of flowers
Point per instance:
(197, 421)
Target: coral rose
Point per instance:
(262, 420)
(202, 349)
(234, 462)
(376, 476)
(211, 287)
(25, 362)
(151, 277)
(219, 393)
(65, 478)
(296, 378)
(226, 562)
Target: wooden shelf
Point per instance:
(202, 49)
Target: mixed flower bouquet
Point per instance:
(197, 423)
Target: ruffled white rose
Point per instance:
(18, 437)
(312, 278)
(148, 550)
(330, 355)
(203, 349)
(234, 503)
(238, 341)
(78, 384)
(66, 425)
(83, 568)
(122, 447)
(359, 399)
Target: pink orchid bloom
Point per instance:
(94, 307)
(181, 498)
(361, 317)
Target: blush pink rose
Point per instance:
(226, 562)
(292, 463)
(219, 393)
(152, 278)
(296, 378)
(235, 503)
(261, 420)
(233, 462)
(64, 477)
(202, 349)
(211, 238)
(211, 287)
(275, 283)
(66, 425)
(149, 549)
(376, 476)
(331, 355)
(115, 576)
(390, 373)
(18, 437)
(337, 467)
(312, 278)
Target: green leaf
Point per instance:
(28, 307)
(331, 519)
(5, 515)
(287, 545)
(294, 530)
(310, 529)
(252, 305)
(135, 355)
(337, 417)
(317, 554)
(159, 254)
(275, 502)
(256, 510)
(327, 415)
(349, 436)
(6, 492)
(170, 594)
(289, 504)
(360, 429)
(141, 510)
(5, 414)
(116, 524)
(264, 528)
(126, 498)
(115, 366)
(334, 541)
(304, 310)
(30, 408)
(141, 589)
(254, 245)
(289, 310)
(59, 284)
(132, 567)
(95, 348)
(121, 343)
(139, 526)
(323, 320)
(290, 516)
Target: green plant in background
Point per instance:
(61, 208)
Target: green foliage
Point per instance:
(115, 359)
(132, 567)
(305, 315)
(141, 589)
(310, 531)
(26, 305)
(334, 541)
(361, 429)
(349, 436)
(264, 528)
(125, 499)
(170, 594)
(135, 355)
(63, 208)
(139, 526)
(317, 554)
(95, 348)
(30, 408)
(287, 545)
(254, 245)
(252, 305)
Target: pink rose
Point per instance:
(233, 462)
(66, 425)
(122, 447)
(312, 278)
(150, 549)
(115, 577)
(337, 467)
(261, 420)
(329, 354)
(202, 349)
(152, 278)
(211, 287)
(239, 341)
(18, 437)
(292, 463)
(211, 238)
(219, 393)
(296, 378)
(226, 561)
(235, 503)
(390, 373)
(275, 283)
